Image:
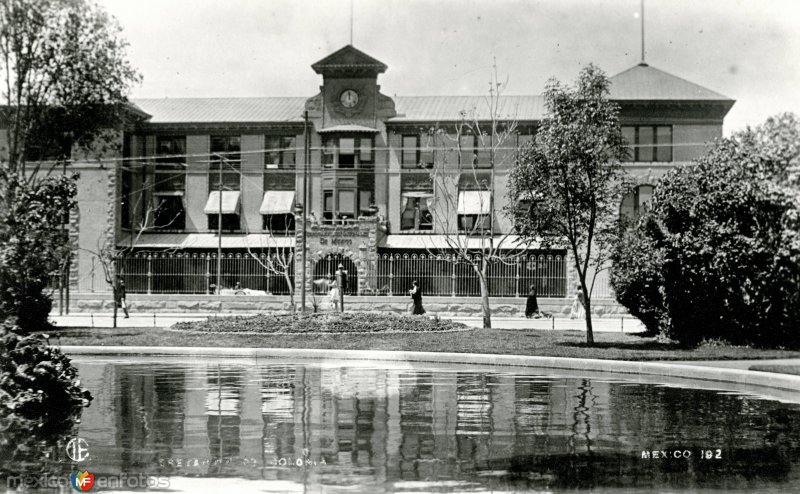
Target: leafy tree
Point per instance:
(572, 178)
(65, 77)
(33, 247)
(722, 239)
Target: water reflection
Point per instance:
(384, 430)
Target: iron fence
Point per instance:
(437, 274)
(449, 275)
(179, 272)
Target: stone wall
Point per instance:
(443, 306)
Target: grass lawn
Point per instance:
(500, 341)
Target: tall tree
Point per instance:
(571, 177)
(64, 79)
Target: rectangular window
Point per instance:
(416, 215)
(347, 152)
(366, 158)
(410, 157)
(427, 152)
(347, 203)
(327, 206)
(474, 222)
(664, 143)
(328, 152)
(281, 152)
(225, 157)
(648, 143)
(170, 169)
(466, 147)
(279, 223)
(170, 214)
(125, 200)
(230, 222)
(364, 201)
(645, 140)
(171, 149)
(629, 135)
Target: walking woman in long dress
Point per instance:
(416, 297)
(577, 311)
(532, 304)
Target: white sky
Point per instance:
(747, 50)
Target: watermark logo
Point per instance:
(77, 449)
(82, 481)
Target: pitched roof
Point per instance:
(643, 82)
(348, 57)
(639, 83)
(223, 110)
(441, 108)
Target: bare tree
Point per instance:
(108, 252)
(479, 143)
(275, 260)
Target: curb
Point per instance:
(782, 382)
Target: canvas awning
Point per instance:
(165, 193)
(206, 241)
(440, 242)
(348, 128)
(230, 202)
(277, 202)
(417, 194)
(474, 202)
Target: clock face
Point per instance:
(349, 98)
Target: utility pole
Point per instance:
(306, 161)
(219, 228)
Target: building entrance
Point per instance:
(326, 267)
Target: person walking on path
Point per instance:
(532, 304)
(577, 311)
(416, 298)
(120, 295)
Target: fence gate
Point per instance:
(327, 266)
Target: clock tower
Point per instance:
(350, 94)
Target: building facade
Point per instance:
(388, 180)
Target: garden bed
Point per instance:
(324, 323)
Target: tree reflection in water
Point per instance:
(381, 430)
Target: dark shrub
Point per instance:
(722, 241)
(636, 276)
(37, 381)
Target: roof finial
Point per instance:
(351, 22)
(642, 16)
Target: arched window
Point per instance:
(634, 201)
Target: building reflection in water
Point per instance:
(380, 430)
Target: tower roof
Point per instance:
(349, 59)
(646, 83)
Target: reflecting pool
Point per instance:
(270, 426)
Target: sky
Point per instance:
(746, 50)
